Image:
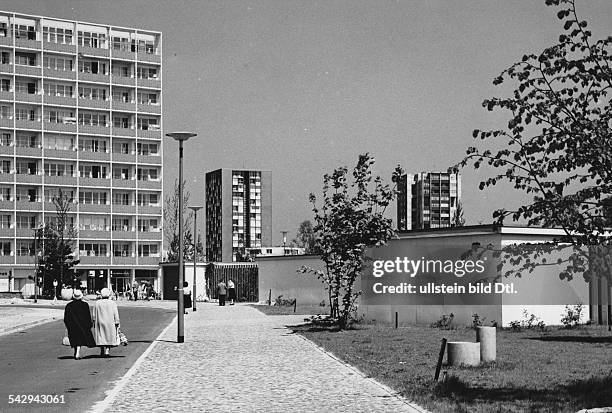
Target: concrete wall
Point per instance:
(280, 275)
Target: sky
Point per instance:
(302, 87)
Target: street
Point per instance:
(34, 363)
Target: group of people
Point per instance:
(103, 319)
(226, 291)
(144, 291)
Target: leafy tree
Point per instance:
(458, 219)
(171, 225)
(55, 243)
(350, 220)
(305, 238)
(557, 143)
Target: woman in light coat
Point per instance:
(106, 321)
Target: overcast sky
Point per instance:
(301, 87)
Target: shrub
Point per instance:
(572, 316)
(445, 322)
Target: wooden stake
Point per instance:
(440, 358)
(396, 319)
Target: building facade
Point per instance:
(428, 200)
(81, 111)
(238, 213)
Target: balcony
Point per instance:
(149, 184)
(101, 182)
(93, 234)
(96, 104)
(25, 259)
(60, 74)
(92, 260)
(94, 208)
(28, 70)
(123, 80)
(28, 97)
(124, 183)
(6, 67)
(149, 209)
(7, 259)
(151, 235)
(25, 232)
(7, 205)
(6, 122)
(6, 150)
(124, 157)
(124, 132)
(94, 156)
(94, 129)
(6, 177)
(131, 235)
(150, 134)
(124, 209)
(149, 260)
(58, 47)
(29, 179)
(124, 260)
(28, 124)
(27, 43)
(28, 206)
(123, 54)
(156, 109)
(60, 100)
(149, 57)
(93, 77)
(60, 127)
(7, 232)
(150, 159)
(6, 41)
(69, 181)
(4, 95)
(93, 51)
(149, 83)
(24, 151)
(119, 105)
(60, 153)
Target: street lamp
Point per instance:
(181, 137)
(195, 210)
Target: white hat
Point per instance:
(77, 294)
(105, 293)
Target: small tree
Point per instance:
(305, 238)
(350, 220)
(171, 225)
(458, 219)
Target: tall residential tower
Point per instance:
(238, 213)
(80, 110)
(428, 200)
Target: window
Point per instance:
(121, 122)
(58, 63)
(146, 72)
(5, 248)
(25, 114)
(27, 141)
(5, 220)
(147, 149)
(92, 249)
(93, 67)
(147, 98)
(56, 89)
(59, 169)
(121, 43)
(121, 224)
(121, 198)
(26, 221)
(92, 223)
(89, 39)
(92, 171)
(122, 70)
(121, 249)
(57, 35)
(25, 248)
(25, 194)
(5, 139)
(53, 193)
(92, 93)
(23, 86)
(22, 31)
(25, 59)
(62, 143)
(148, 123)
(92, 119)
(6, 112)
(120, 95)
(122, 172)
(3, 29)
(92, 197)
(148, 199)
(146, 174)
(147, 225)
(5, 58)
(5, 167)
(92, 145)
(26, 167)
(147, 250)
(5, 85)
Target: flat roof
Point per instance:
(480, 230)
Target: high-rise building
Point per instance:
(427, 200)
(80, 110)
(238, 213)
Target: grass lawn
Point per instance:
(551, 371)
(288, 310)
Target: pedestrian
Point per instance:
(77, 319)
(186, 296)
(231, 292)
(221, 290)
(135, 290)
(106, 322)
(149, 291)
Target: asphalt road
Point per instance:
(33, 362)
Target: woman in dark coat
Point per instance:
(77, 319)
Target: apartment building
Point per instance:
(427, 200)
(238, 213)
(81, 110)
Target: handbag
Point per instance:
(66, 340)
(122, 337)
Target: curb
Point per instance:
(25, 326)
(101, 406)
(392, 393)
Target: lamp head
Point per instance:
(181, 136)
(195, 208)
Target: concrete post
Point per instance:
(486, 336)
(463, 352)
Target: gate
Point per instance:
(245, 277)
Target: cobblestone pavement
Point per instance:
(236, 359)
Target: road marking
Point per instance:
(101, 406)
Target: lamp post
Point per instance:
(284, 241)
(181, 137)
(195, 210)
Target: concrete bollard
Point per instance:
(486, 336)
(463, 352)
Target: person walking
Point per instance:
(106, 321)
(222, 291)
(77, 319)
(186, 295)
(231, 292)
(135, 290)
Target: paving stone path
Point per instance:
(236, 359)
